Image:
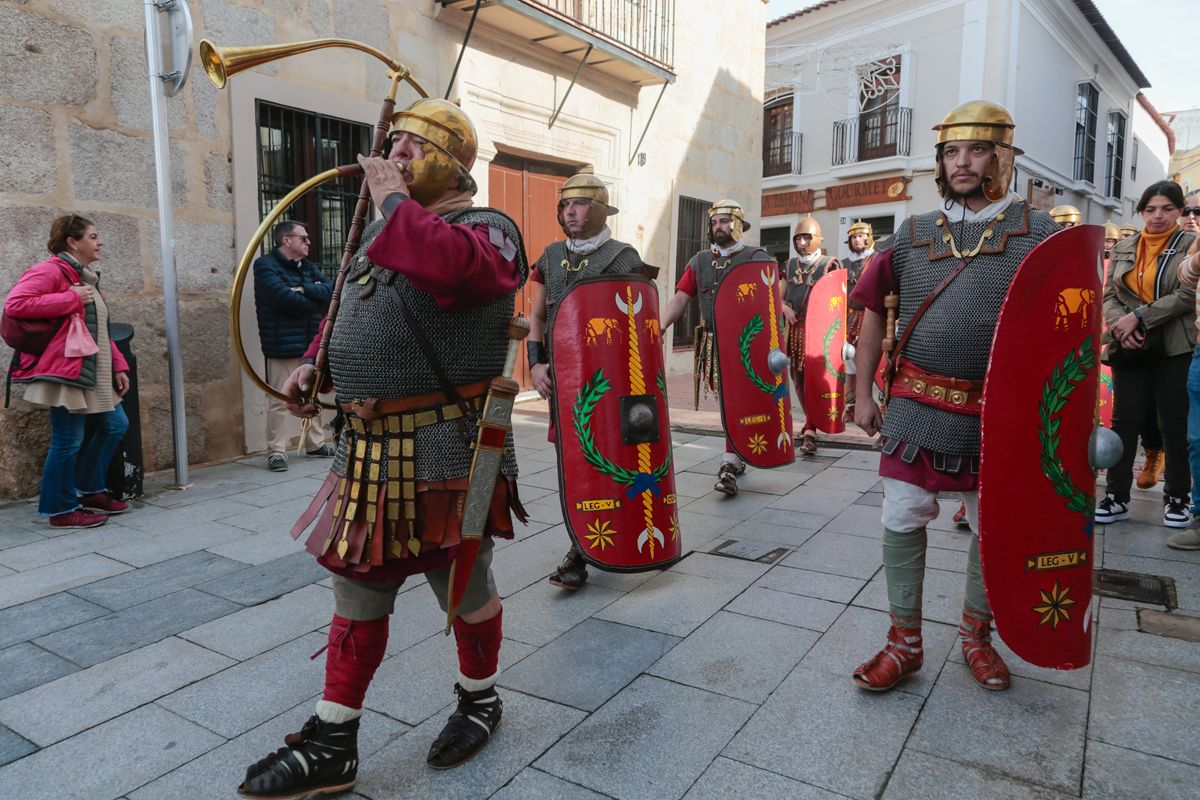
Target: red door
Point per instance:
(531, 198)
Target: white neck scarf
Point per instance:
(810, 259)
(726, 252)
(960, 213)
(586, 247)
(865, 254)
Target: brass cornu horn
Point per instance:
(220, 64)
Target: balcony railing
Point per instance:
(781, 153)
(879, 133)
(644, 26)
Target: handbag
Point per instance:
(79, 341)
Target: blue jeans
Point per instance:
(67, 474)
(1193, 426)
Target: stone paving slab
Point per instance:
(417, 617)
(58, 577)
(272, 517)
(1133, 645)
(216, 774)
(13, 746)
(835, 588)
(652, 740)
(1039, 729)
(739, 507)
(930, 778)
(243, 634)
(73, 703)
(1145, 707)
(839, 554)
(24, 666)
(720, 568)
(416, 684)
(540, 613)
(98, 640)
(108, 760)
(786, 608)
(162, 547)
(266, 581)
(157, 580)
(13, 534)
(672, 602)
(68, 544)
(1114, 773)
(239, 698)
(1072, 678)
(786, 536)
(782, 518)
(259, 548)
(532, 782)
(159, 520)
(817, 501)
(735, 656)
(529, 560)
(732, 780)
(821, 729)
(857, 520)
(835, 477)
(587, 665)
(398, 771)
(37, 617)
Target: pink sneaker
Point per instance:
(78, 519)
(103, 503)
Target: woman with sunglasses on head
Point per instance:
(1150, 314)
(1189, 217)
(72, 385)
(1189, 272)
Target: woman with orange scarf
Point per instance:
(1150, 315)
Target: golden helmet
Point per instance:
(734, 209)
(1111, 231)
(1125, 231)
(1066, 215)
(811, 227)
(449, 151)
(583, 185)
(980, 121)
(861, 227)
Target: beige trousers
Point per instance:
(281, 425)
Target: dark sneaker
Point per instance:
(322, 757)
(469, 728)
(78, 519)
(277, 462)
(1175, 513)
(326, 450)
(572, 572)
(103, 503)
(1110, 509)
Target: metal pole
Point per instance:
(166, 231)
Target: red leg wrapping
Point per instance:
(355, 651)
(478, 646)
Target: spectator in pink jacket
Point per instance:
(73, 493)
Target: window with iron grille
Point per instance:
(1086, 100)
(777, 137)
(1114, 154)
(690, 238)
(294, 145)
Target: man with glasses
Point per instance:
(290, 296)
(1189, 218)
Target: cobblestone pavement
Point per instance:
(153, 658)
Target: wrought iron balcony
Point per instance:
(639, 33)
(781, 153)
(878, 133)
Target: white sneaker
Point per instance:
(1175, 513)
(1111, 510)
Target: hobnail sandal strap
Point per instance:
(902, 655)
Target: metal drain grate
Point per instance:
(749, 550)
(1136, 586)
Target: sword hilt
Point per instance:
(518, 329)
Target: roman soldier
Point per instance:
(798, 277)
(860, 239)
(727, 226)
(589, 249)
(421, 330)
(1066, 216)
(1112, 235)
(930, 438)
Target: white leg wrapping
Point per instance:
(478, 684)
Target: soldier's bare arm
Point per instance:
(675, 309)
(539, 373)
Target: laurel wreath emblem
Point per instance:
(585, 405)
(745, 340)
(1057, 390)
(834, 327)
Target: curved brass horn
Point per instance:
(247, 260)
(221, 63)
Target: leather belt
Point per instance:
(430, 407)
(939, 391)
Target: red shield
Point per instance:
(1104, 405)
(1039, 409)
(824, 367)
(756, 405)
(614, 435)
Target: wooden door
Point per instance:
(531, 199)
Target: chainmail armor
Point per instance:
(612, 258)
(373, 352)
(708, 277)
(954, 337)
(796, 294)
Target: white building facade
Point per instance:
(854, 87)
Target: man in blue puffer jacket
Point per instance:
(290, 295)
